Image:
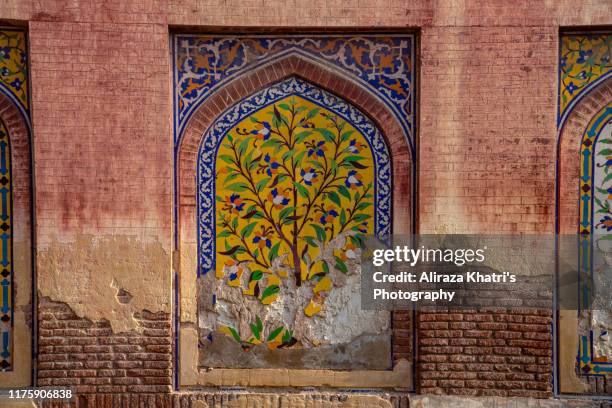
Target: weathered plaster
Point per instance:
(21, 373)
(91, 274)
(191, 375)
(568, 346)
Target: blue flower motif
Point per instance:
(317, 149)
(16, 84)
(273, 165)
(571, 88)
(309, 176)
(583, 55)
(353, 180)
(606, 223)
(4, 71)
(279, 200)
(262, 131)
(582, 75)
(5, 52)
(563, 62)
(328, 216)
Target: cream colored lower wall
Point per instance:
(21, 373)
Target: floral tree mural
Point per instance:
(295, 195)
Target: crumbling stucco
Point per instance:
(568, 326)
(92, 275)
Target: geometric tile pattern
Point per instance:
(6, 267)
(584, 62)
(595, 228)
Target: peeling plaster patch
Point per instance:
(123, 296)
(109, 277)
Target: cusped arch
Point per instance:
(568, 154)
(320, 76)
(17, 126)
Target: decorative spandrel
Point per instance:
(14, 65)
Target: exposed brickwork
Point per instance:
(485, 354)
(89, 358)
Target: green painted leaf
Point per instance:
(284, 106)
(235, 334)
(312, 113)
(354, 158)
(605, 152)
(345, 136)
(230, 177)
(246, 231)
(261, 184)
(273, 252)
(270, 291)
(285, 212)
(299, 157)
(344, 191)
(299, 138)
(342, 217)
(256, 275)
(243, 146)
(224, 234)
(271, 142)
(287, 336)
(274, 333)
(341, 265)
(310, 240)
(327, 134)
(238, 187)
(363, 206)
(301, 190)
(360, 217)
(321, 236)
(226, 158)
(332, 195)
(255, 330)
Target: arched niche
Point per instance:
(193, 210)
(581, 177)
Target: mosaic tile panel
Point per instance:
(584, 61)
(384, 65)
(6, 267)
(14, 65)
(594, 354)
(290, 181)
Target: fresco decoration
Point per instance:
(14, 65)
(584, 60)
(382, 64)
(290, 182)
(6, 267)
(595, 351)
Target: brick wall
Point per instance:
(506, 354)
(88, 357)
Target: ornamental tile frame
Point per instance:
(585, 106)
(16, 286)
(209, 67)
